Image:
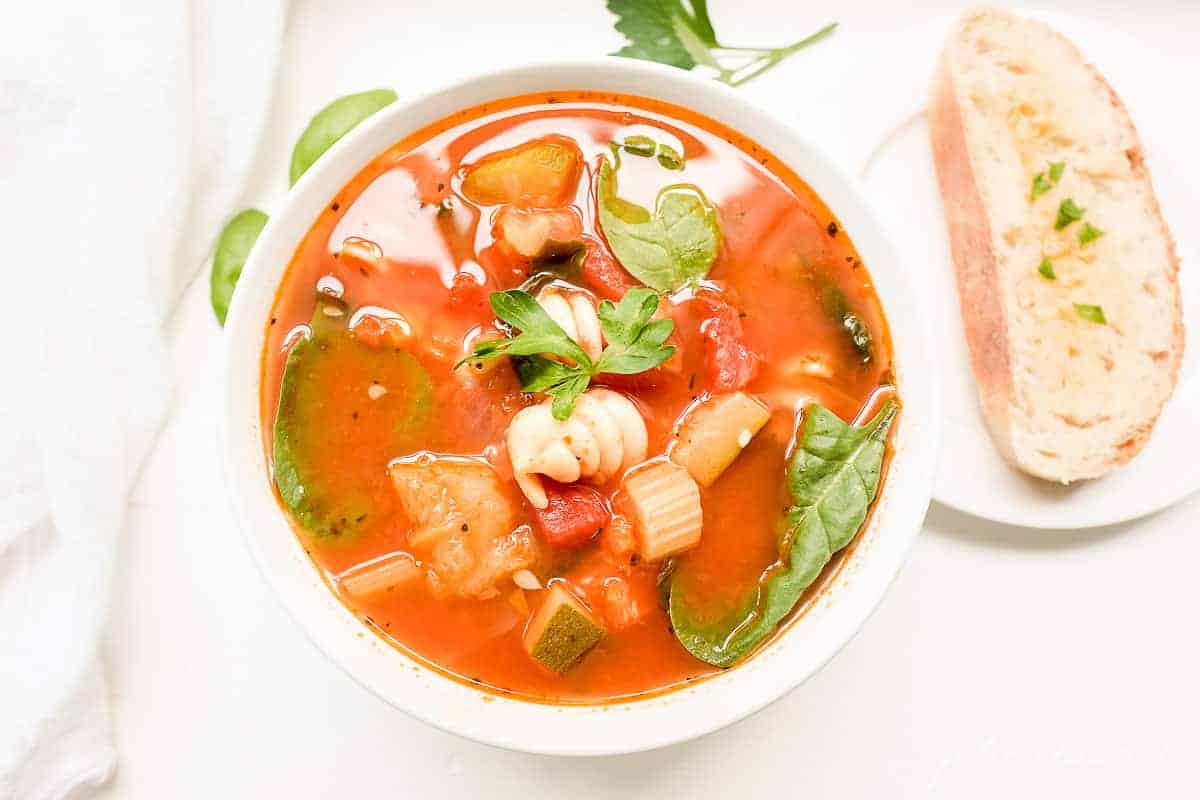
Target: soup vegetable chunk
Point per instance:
(577, 397)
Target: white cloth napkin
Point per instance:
(126, 130)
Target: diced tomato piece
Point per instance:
(602, 273)
(618, 540)
(729, 365)
(382, 332)
(637, 382)
(467, 294)
(575, 514)
(527, 233)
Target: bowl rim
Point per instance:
(623, 726)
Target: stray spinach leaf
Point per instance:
(233, 248)
(833, 476)
(681, 34)
(665, 250)
(332, 123)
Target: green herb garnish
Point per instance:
(681, 34)
(1068, 212)
(833, 476)
(668, 248)
(1042, 184)
(669, 157)
(1046, 270)
(1088, 234)
(1091, 313)
(635, 344)
(642, 146)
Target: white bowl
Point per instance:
(562, 729)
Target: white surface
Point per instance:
(582, 730)
(891, 148)
(102, 152)
(1003, 663)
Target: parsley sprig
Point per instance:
(635, 344)
(680, 33)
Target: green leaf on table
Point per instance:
(662, 30)
(233, 248)
(680, 33)
(833, 477)
(668, 248)
(332, 123)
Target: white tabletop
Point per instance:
(1002, 663)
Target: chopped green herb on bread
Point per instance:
(1069, 289)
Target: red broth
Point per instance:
(782, 256)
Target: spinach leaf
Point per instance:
(837, 307)
(833, 477)
(324, 362)
(332, 123)
(681, 34)
(665, 250)
(233, 248)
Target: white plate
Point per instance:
(887, 143)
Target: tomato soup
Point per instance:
(577, 397)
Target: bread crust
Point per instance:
(978, 266)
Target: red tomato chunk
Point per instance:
(729, 365)
(602, 273)
(575, 514)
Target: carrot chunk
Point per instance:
(543, 173)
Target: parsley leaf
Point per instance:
(562, 382)
(1046, 270)
(680, 33)
(1088, 234)
(635, 344)
(1068, 212)
(539, 333)
(1091, 313)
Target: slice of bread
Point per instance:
(1066, 395)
